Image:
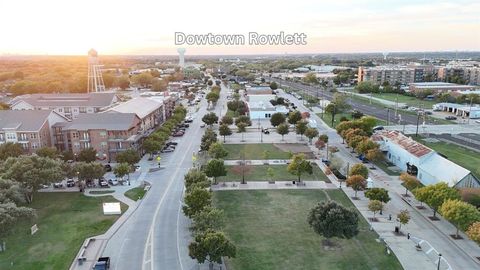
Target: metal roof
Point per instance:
(67, 99)
(27, 120)
(103, 121)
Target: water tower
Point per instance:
(385, 54)
(181, 57)
(95, 79)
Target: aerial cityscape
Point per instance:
(260, 135)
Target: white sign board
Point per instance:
(34, 229)
(112, 208)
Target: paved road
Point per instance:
(157, 236)
(370, 109)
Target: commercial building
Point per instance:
(260, 107)
(107, 133)
(395, 74)
(67, 105)
(422, 162)
(439, 87)
(31, 129)
(461, 110)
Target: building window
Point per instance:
(83, 110)
(33, 135)
(67, 109)
(103, 134)
(11, 136)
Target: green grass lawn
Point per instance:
(327, 118)
(410, 101)
(135, 193)
(64, 220)
(259, 173)
(462, 156)
(383, 165)
(270, 231)
(98, 192)
(254, 151)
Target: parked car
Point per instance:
(171, 143)
(113, 182)
(168, 149)
(202, 125)
(377, 128)
(103, 184)
(58, 185)
(107, 167)
(137, 167)
(103, 263)
(178, 134)
(44, 186)
(265, 131)
(70, 183)
(451, 117)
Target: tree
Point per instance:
(436, 195)
(227, 120)
(311, 133)
(277, 119)
(357, 183)
(301, 127)
(364, 146)
(213, 96)
(299, 166)
(294, 117)
(87, 155)
(460, 213)
(143, 79)
(243, 119)
(310, 78)
(273, 86)
(123, 82)
(196, 200)
(379, 194)
(208, 219)
(366, 87)
(151, 146)
(31, 172)
(324, 138)
(211, 246)
(224, 131)
(88, 171)
(121, 170)
(474, 231)
(210, 118)
(270, 174)
(207, 139)
(359, 169)
(409, 182)
(215, 168)
(196, 178)
(374, 155)
(319, 144)
(403, 218)
(282, 129)
(241, 128)
(217, 150)
(50, 152)
(129, 156)
(375, 206)
(242, 169)
(330, 219)
(10, 216)
(10, 150)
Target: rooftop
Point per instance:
(67, 99)
(110, 121)
(140, 106)
(410, 145)
(440, 85)
(28, 120)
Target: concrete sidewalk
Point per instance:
(258, 185)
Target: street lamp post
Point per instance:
(418, 120)
(439, 258)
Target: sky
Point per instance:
(146, 27)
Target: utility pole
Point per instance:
(418, 120)
(470, 110)
(388, 116)
(396, 105)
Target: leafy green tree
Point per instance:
(359, 169)
(460, 213)
(331, 219)
(209, 219)
(88, 171)
(196, 178)
(311, 78)
(10, 217)
(366, 87)
(227, 120)
(301, 127)
(294, 117)
(195, 201)
(31, 172)
(10, 150)
(340, 101)
(282, 129)
(378, 194)
(364, 146)
(217, 150)
(357, 183)
(374, 155)
(207, 139)
(50, 152)
(224, 130)
(211, 246)
(121, 170)
(210, 118)
(435, 195)
(215, 168)
(243, 119)
(87, 155)
(375, 206)
(277, 119)
(323, 138)
(299, 166)
(403, 218)
(273, 86)
(270, 174)
(474, 231)
(143, 79)
(241, 128)
(409, 182)
(311, 133)
(212, 97)
(123, 82)
(129, 156)
(151, 146)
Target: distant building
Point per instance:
(258, 90)
(461, 110)
(109, 134)
(260, 107)
(31, 129)
(67, 105)
(394, 74)
(439, 87)
(422, 162)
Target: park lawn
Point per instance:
(135, 193)
(259, 173)
(464, 157)
(409, 100)
(255, 151)
(327, 118)
(270, 231)
(64, 220)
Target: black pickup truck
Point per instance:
(103, 263)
